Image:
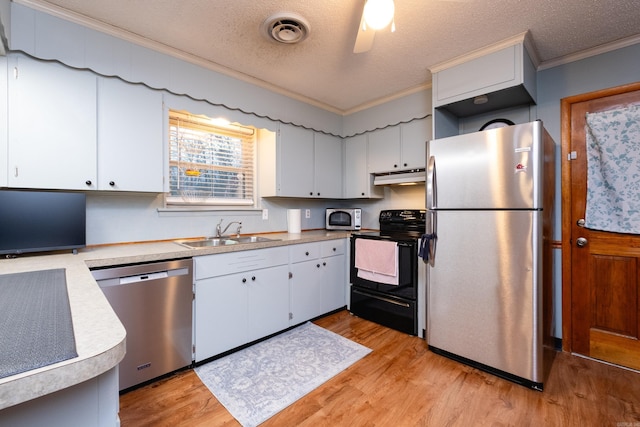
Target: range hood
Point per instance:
(406, 177)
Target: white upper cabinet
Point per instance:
(67, 130)
(52, 126)
(502, 66)
(300, 164)
(130, 137)
(413, 139)
(499, 77)
(358, 182)
(399, 148)
(327, 166)
(294, 162)
(384, 150)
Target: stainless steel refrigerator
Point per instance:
(489, 198)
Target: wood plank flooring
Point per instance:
(402, 383)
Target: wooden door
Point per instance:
(601, 274)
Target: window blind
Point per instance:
(209, 164)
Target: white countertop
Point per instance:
(99, 335)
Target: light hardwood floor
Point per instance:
(402, 383)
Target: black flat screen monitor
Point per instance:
(39, 221)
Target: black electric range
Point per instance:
(393, 305)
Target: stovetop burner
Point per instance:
(398, 224)
(410, 222)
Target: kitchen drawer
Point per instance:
(332, 247)
(304, 252)
(235, 262)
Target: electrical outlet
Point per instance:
(265, 213)
(307, 213)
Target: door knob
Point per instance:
(581, 242)
(580, 222)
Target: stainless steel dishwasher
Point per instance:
(154, 303)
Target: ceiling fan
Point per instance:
(376, 15)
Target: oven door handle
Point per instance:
(389, 300)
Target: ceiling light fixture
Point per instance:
(480, 99)
(379, 13)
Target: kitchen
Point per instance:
(121, 217)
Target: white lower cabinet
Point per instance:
(243, 296)
(305, 285)
(235, 308)
(334, 263)
(267, 301)
(318, 281)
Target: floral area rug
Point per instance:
(259, 381)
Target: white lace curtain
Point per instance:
(613, 170)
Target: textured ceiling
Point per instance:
(324, 70)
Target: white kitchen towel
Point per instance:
(377, 260)
(613, 170)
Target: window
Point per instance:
(209, 164)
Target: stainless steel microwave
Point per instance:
(343, 219)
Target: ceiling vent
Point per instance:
(288, 28)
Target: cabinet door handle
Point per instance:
(306, 253)
(244, 280)
(111, 183)
(253, 278)
(318, 265)
(88, 182)
(324, 264)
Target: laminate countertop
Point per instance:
(99, 335)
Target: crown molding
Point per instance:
(598, 50)
(522, 38)
(386, 99)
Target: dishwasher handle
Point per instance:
(144, 277)
(107, 280)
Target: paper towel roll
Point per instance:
(293, 220)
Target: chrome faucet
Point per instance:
(220, 232)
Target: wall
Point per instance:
(402, 109)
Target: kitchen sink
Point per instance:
(223, 241)
(253, 239)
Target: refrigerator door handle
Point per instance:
(430, 238)
(431, 192)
